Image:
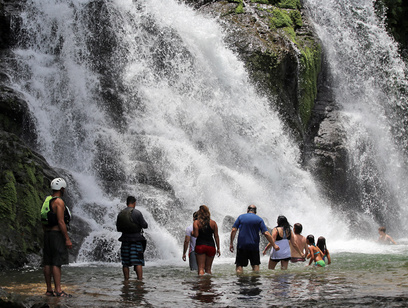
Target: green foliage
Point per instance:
(240, 8)
(296, 18)
(280, 19)
(260, 1)
(284, 4)
(289, 4)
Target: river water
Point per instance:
(370, 276)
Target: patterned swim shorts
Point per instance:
(132, 253)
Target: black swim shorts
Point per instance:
(243, 255)
(55, 251)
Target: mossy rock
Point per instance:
(24, 181)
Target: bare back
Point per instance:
(300, 241)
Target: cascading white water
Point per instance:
(181, 101)
(370, 85)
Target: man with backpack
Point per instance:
(131, 223)
(55, 217)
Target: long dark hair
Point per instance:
(311, 240)
(204, 216)
(283, 222)
(321, 243)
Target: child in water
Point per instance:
(321, 243)
(315, 254)
(384, 237)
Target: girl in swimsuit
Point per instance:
(321, 243)
(315, 254)
(206, 231)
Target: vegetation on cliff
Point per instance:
(281, 52)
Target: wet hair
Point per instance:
(130, 200)
(310, 238)
(203, 216)
(382, 229)
(321, 243)
(195, 216)
(251, 208)
(297, 228)
(283, 222)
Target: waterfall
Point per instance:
(370, 86)
(143, 98)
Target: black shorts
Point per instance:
(243, 255)
(55, 252)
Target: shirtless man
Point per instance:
(56, 239)
(384, 238)
(300, 241)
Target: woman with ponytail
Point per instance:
(206, 231)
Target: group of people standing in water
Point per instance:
(202, 241)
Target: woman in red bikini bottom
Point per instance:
(206, 231)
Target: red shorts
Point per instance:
(204, 249)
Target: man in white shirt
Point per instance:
(189, 242)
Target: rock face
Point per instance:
(280, 50)
(25, 175)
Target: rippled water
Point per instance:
(353, 279)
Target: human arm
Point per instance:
(185, 246)
(195, 229)
(328, 257)
(138, 218)
(271, 239)
(309, 255)
(266, 248)
(232, 237)
(60, 209)
(216, 237)
(391, 239)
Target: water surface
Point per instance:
(353, 279)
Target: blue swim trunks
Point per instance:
(132, 254)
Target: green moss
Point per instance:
(289, 19)
(239, 9)
(279, 19)
(296, 18)
(8, 197)
(260, 1)
(310, 61)
(30, 170)
(30, 207)
(267, 59)
(288, 4)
